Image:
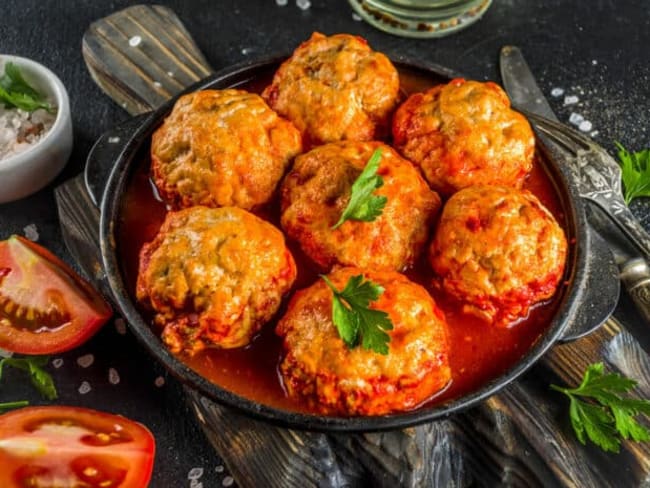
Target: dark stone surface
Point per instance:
(597, 51)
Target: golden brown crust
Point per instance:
(318, 367)
(221, 148)
(335, 88)
(464, 133)
(499, 250)
(317, 189)
(213, 277)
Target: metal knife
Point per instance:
(598, 180)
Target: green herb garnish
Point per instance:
(16, 92)
(41, 379)
(635, 173)
(363, 205)
(598, 411)
(354, 319)
(11, 405)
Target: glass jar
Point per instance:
(420, 18)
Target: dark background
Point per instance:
(597, 50)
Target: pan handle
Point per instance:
(142, 56)
(601, 290)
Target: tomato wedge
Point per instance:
(46, 447)
(45, 307)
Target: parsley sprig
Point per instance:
(363, 205)
(353, 318)
(599, 412)
(635, 173)
(16, 92)
(41, 379)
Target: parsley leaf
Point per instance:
(635, 173)
(16, 92)
(353, 318)
(41, 379)
(597, 410)
(363, 205)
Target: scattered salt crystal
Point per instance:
(195, 484)
(356, 16)
(594, 62)
(281, 3)
(84, 388)
(585, 126)
(113, 140)
(195, 473)
(31, 232)
(247, 50)
(170, 74)
(113, 376)
(157, 84)
(85, 360)
(57, 363)
(228, 481)
(575, 118)
(594, 133)
(135, 41)
(120, 326)
(219, 469)
(160, 381)
(570, 100)
(557, 92)
(303, 4)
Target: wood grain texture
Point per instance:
(519, 437)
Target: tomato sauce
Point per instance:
(479, 352)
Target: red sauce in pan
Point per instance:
(479, 352)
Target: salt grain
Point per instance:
(228, 481)
(557, 92)
(281, 3)
(196, 484)
(195, 473)
(247, 50)
(113, 376)
(135, 41)
(594, 133)
(31, 232)
(84, 388)
(113, 140)
(219, 469)
(159, 382)
(585, 126)
(575, 118)
(356, 17)
(570, 100)
(85, 360)
(303, 4)
(120, 326)
(594, 62)
(157, 84)
(170, 74)
(57, 363)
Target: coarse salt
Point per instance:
(159, 382)
(195, 473)
(84, 388)
(135, 41)
(570, 100)
(356, 17)
(575, 118)
(31, 232)
(303, 4)
(557, 92)
(86, 360)
(585, 126)
(113, 376)
(228, 481)
(57, 363)
(113, 140)
(281, 3)
(219, 469)
(20, 130)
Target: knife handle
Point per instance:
(635, 275)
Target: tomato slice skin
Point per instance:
(45, 307)
(72, 446)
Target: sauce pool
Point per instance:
(478, 351)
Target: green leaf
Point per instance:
(354, 320)
(604, 416)
(11, 405)
(635, 173)
(16, 92)
(41, 379)
(363, 205)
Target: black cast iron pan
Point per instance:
(585, 303)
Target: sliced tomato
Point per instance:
(45, 307)
(46, 447)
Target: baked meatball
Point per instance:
(335, 88)
(498, 250)
(317, 190)
(464, 133)
(318, 368)
(213, 277)
(221, 148)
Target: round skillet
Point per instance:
(579, 309)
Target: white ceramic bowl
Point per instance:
(28, 171)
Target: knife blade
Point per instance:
(525, 94)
